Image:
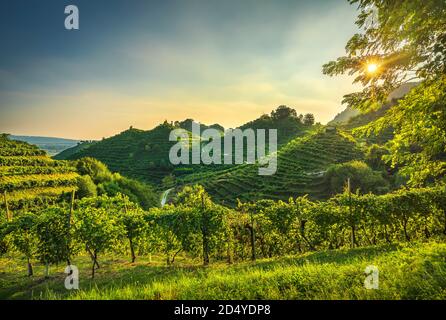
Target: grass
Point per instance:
(416, 271)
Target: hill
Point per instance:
(51, 145)
(288, 126)
(144, 155)
(301, 164)
(27, 174)
(133, 153)
(67, 153)
(352, 118)
(187, 125)
(344, 116)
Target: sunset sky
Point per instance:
(141, 62)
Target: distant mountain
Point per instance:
(49, 144)
(344, 116)
(401, 91)
(352, 117)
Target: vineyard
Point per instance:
(236, 224)
(27, 174)
(301, 165)
(220, 226)
(196, 229)
(144, 155)
(139, 154)
(354, 209)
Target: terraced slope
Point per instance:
(144, 155)
(27, 174)
(300, 167)
(134, 153)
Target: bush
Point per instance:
(98, 180)
(362, 178)
(94, 168)
(86, 187)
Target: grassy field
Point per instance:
(416, 271)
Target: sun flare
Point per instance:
(372, 67)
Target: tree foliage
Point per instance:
(406, 41)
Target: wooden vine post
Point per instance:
(8, 213)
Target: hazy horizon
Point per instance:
(138, 64)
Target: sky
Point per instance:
(138, 63)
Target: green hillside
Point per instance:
(134, 153)
(350, 119)
(144, 155)
(27, 174)
(305, 152)
(300, 167)
(67, 153)
(284, 120)
(344, 116)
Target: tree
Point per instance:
(283, 112)
(374, 157)
(94, 168)
(138, 192)
(308, 119)
(97, 179)
(164, 223)
(419, 146)
(402, 41)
